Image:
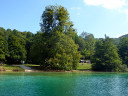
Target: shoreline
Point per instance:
(49, 71)
(60, 71)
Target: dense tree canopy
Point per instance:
(16, 49)
(86, 45)
(106, 56)
(55, 46)
(123, 49)
(13, 45)
(2, 49)
(55, 17)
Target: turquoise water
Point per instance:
(63, 84)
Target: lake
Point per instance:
(63, 84)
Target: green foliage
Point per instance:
(115, 41)
(55, 17)
(2, 31)
(87, 44)
(55, 48)
(71, 33)
(2, 49)
(12, 68)
(83, 48)
(14, 45)
(65, 53)
(16, 49)
(58, 51)
(123, 49)
(37, 50)
(106, 57)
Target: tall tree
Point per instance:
(65, 53)
(2, 49)
(106, 57)
(55, 17)
(55, 48)
(2, 31)
(14, 45)
(37, 53)
(89, 44)
(123, 49)
(2, 44)
(16, 49)
(84, 48)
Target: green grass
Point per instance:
(34, 66)
(12, 68)
(81, 66)
(84, 66)
(31, 65)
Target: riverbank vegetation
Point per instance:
(58, 47)
(6, 67)
(81, 67)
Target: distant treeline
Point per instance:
(14, 45)
(57, 45)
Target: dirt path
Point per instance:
(26, 68)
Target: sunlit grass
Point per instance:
(84, 66)
(30, 65)
(10, 67)
(81, 66)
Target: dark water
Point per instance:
(63, 84)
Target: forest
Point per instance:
(57, 45)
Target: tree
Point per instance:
(37, 50)
(29, 42)
(106, 57)
(55, 17)
(29, 35)
(14, 45)
(123, 49)
(2, 31)
(58, 52)
(55, 48)
(2, 49)
(89, 45)
(72, 33)
(16, 49)
(2, 45)
(84, 48)
(65, 53)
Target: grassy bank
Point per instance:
(84, 66)
(81, 66)
(6, 67)
(31, 65)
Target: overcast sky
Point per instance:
(98, 17)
